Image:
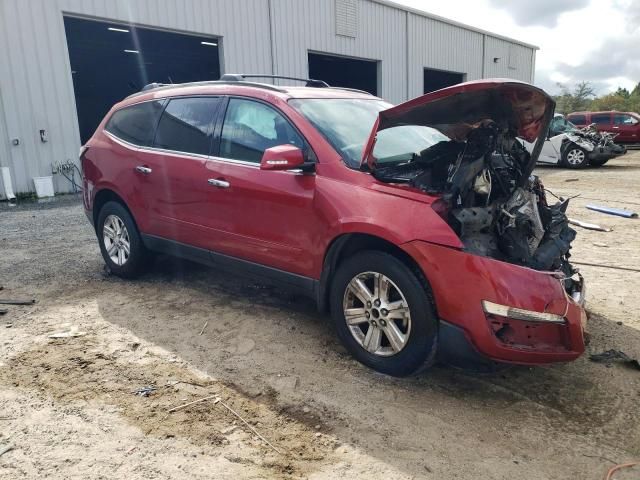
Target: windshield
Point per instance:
(347, 124)
(561, 125)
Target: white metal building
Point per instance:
(57, 56)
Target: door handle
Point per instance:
(218, 183)
(142, 169)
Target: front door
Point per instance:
(550, 152)
(627, 128)
(267, 217)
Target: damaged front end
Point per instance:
(604, 142)
(480, 171)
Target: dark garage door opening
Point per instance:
(344, 72)
(437, 79)
(111, 61)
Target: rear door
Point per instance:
(123, 163)
(176, 185)
(266, 217)
(627, 128)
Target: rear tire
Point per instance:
(574, 157)
(120, 242)
(392, 328)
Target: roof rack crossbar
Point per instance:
(239, 77)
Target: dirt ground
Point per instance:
(69, 409)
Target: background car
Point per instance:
(570, 147)
(625, 124)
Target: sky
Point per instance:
(580, 40)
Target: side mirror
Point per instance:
(282, 157)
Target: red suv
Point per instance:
(626, 125)
(419, 227)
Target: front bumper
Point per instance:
(607, 153)
(461, 281)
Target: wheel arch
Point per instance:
(567, 146)
(107, 195)
(347, 244)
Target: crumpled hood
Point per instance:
(581, 140)
(454, 111)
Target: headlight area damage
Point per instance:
(482, 173)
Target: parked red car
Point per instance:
(626, 125)
(418, 226)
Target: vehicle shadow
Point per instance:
(619, 168)
(259, 334)
(609, 166)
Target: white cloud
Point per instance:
(579, 40)
(540, 12)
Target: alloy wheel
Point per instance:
(377, 314)
(116, 240)
(575, 156)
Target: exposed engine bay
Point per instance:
(496, 207)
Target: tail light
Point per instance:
(83, 151)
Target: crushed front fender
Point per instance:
(460, 282)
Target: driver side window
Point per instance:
(251, 127)
(619, 119)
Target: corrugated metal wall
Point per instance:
(434, 44)
(35, 76)
(36, 87)
(380, 36)
(514, 61)
(4, 144)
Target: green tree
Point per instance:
(612, 101)
(580, 98)
(622, 92)
(621, 99)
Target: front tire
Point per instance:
(574, 157)
(120, 243)
(383, 314)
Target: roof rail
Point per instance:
(236, 78)
(154, 85)
(239, 77)
(164, 86)
(352, 90)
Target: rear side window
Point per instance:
(252, 127)
(186, 125)
(136, 124)
(601, 118)
(578, 119)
